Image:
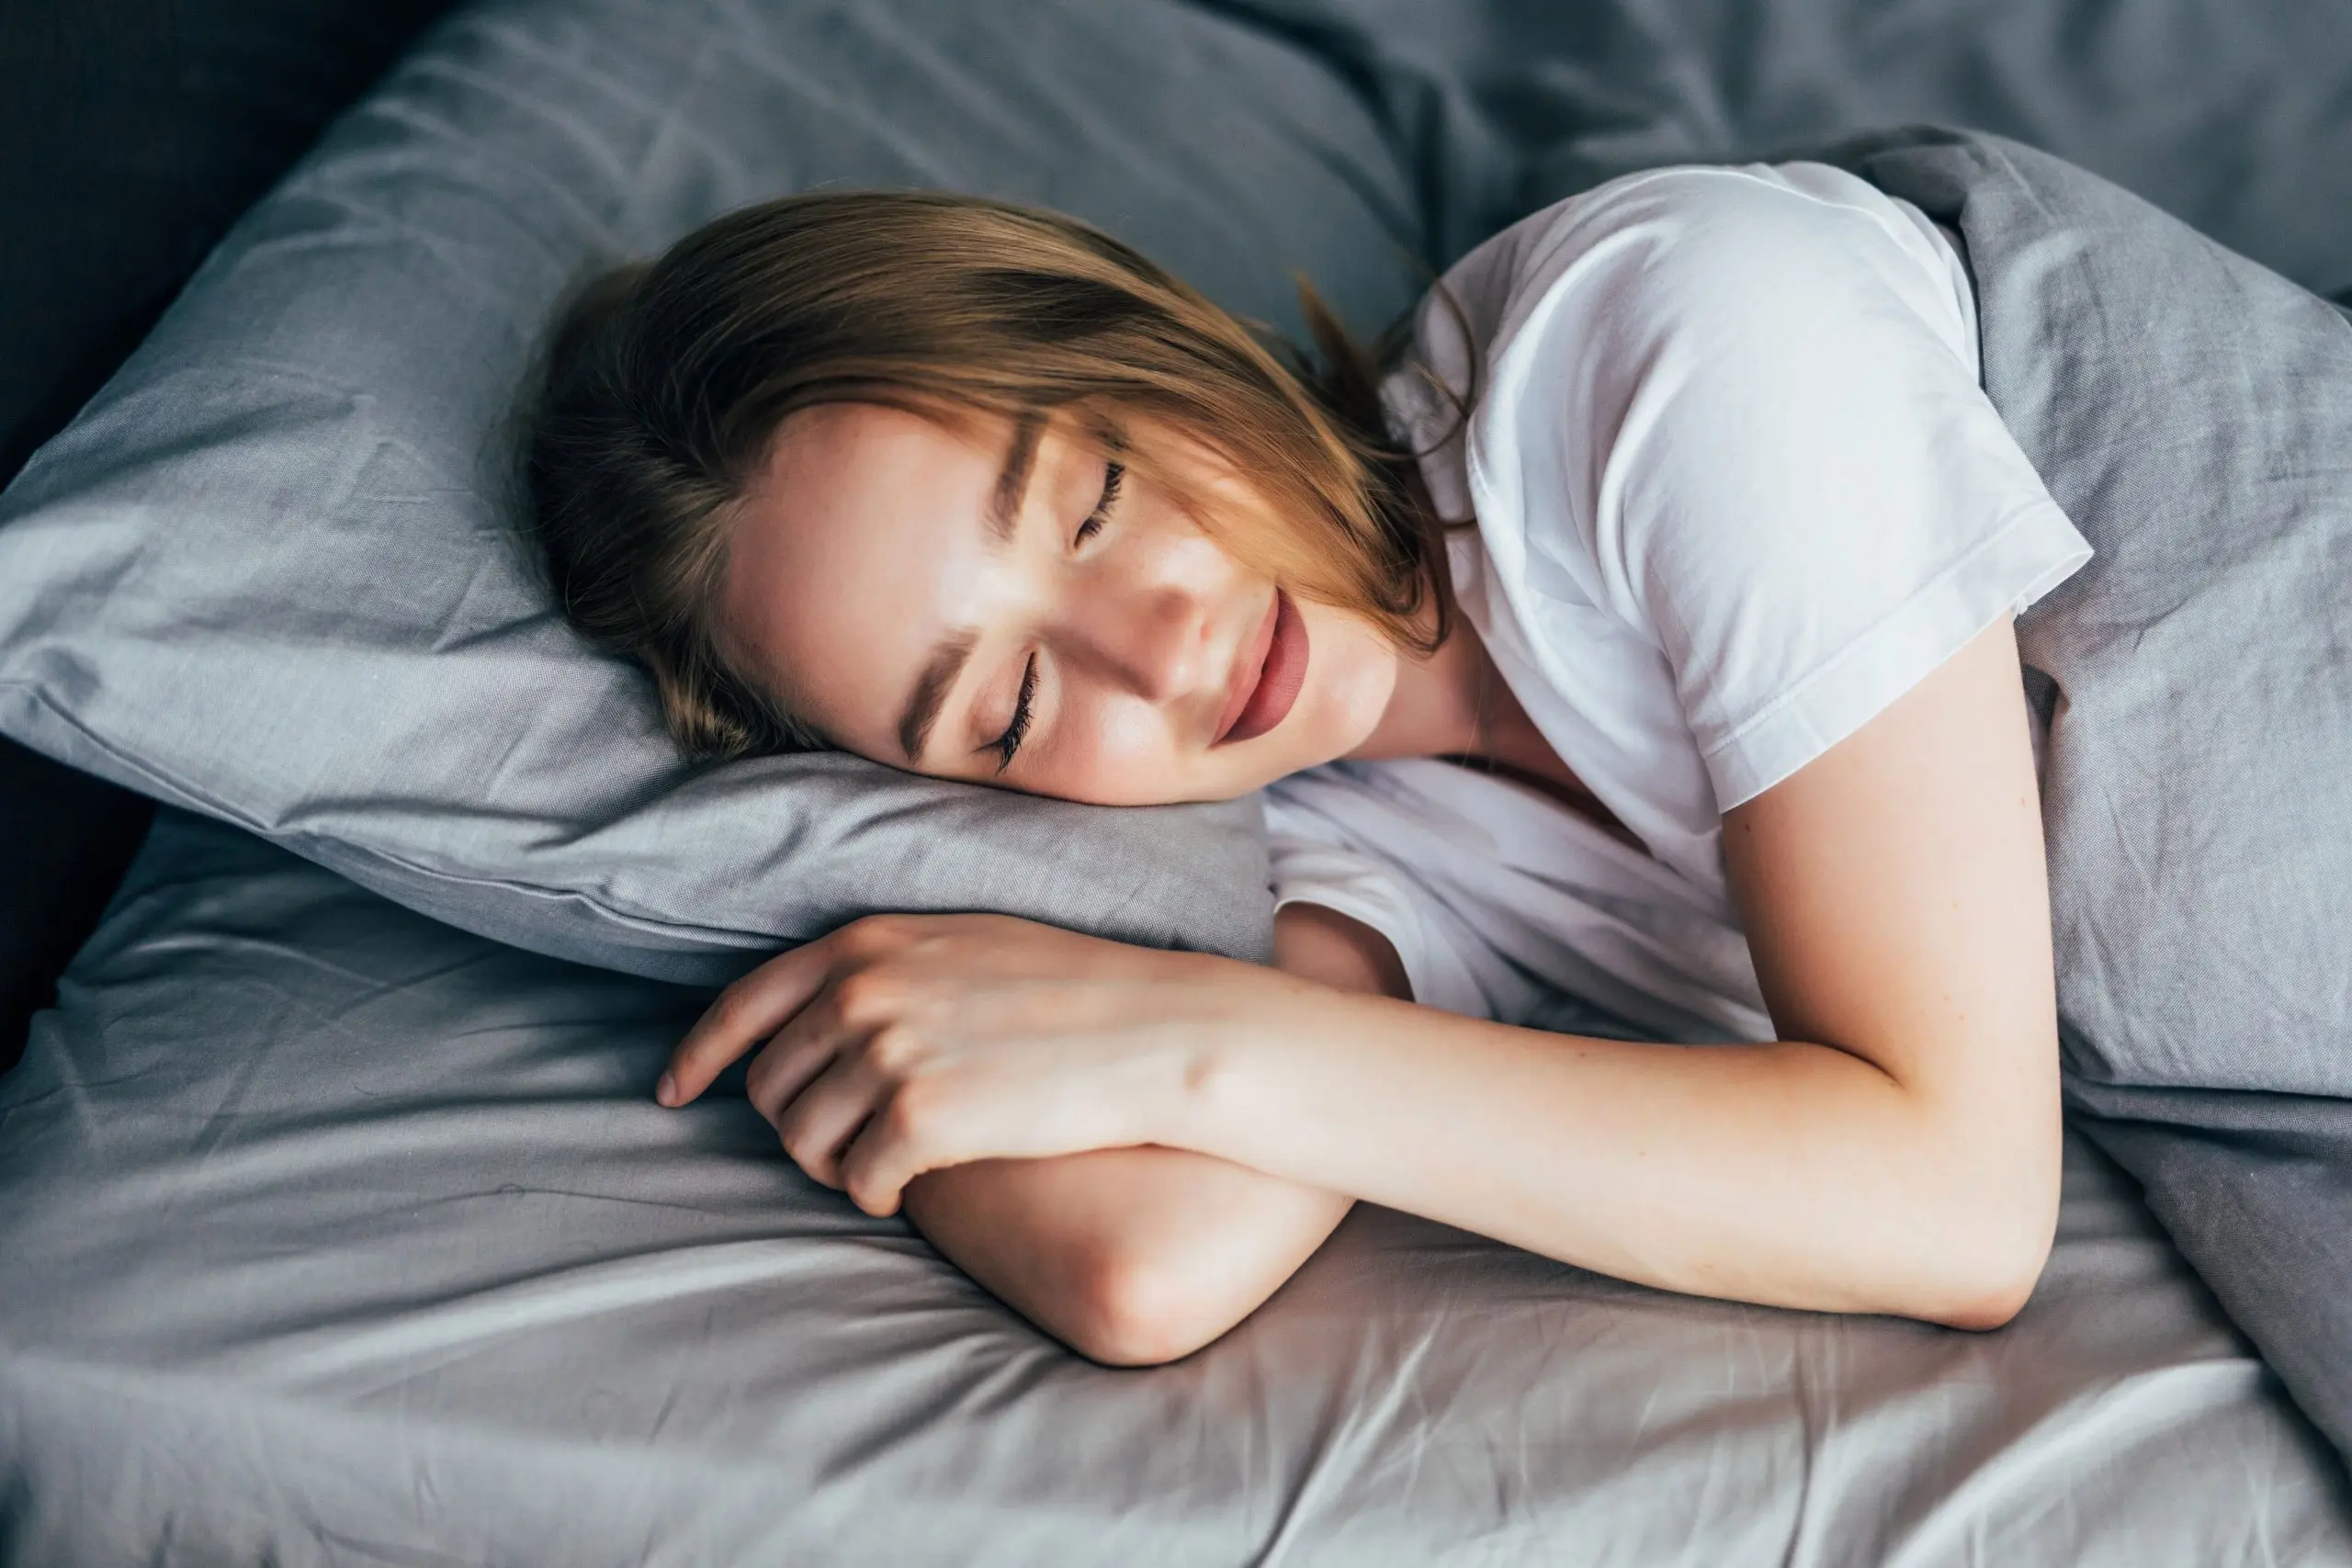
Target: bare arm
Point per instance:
(1897, 1152)
(1137, 1256)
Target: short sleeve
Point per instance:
(1499, 902)
(1315, 861)
(1740, 413)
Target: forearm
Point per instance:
(1789, 1174)
(1135, 1255)
(1129, 1255)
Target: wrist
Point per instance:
(1234, 1054)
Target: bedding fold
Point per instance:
(335, 1234)
(2191, 411)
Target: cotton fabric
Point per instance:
(2192, 411)
(273, 572)
(1736, 489)
(336, 1234)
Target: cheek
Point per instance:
(1111, 752)
(1351, 672)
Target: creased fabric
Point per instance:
(272, 573)
(2192, 413)
(336, 1234)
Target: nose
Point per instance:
(1155, 642)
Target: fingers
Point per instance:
(897, 1142)
(745, 1013)
(802, 1051)
(843, 1028)
(830, 1088)
(816, 1123)
(826, 1078)
(814, 1058)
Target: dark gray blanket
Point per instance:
(2192, 411)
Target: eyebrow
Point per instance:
(931, 690)
(1012, 480)
(948, 659)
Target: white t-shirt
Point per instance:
(1736, 489)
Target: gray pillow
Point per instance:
(269, 573)
(2192, 412)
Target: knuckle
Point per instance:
(877, 933)
(765, 1086)
(893, 1048)
(910, 1112)
(759, 1079)
(867, 1193)
(865, 996)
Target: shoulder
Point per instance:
(1754, 246)
(1754, 253)
(1756, 272)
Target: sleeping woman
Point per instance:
(1638, 629)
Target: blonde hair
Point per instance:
(665, 384)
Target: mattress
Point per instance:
(335, 1235)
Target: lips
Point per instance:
(1281, 671)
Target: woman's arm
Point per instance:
(1138, 1256)
(1899, 1152)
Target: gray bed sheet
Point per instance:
(331, 1235)
(334, 1234)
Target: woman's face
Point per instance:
(1003, 602)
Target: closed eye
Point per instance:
(1008, 745)
(1114, 475)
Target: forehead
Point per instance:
(851, 555)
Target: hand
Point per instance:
(903, 1043)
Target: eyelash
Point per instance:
(1114, 475)
(1009, 742)
(1008, 745)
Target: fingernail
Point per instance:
(666, 1091)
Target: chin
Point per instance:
(1351, 675)
(1327, 723)
(1340, 711)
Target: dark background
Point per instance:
(132, 133)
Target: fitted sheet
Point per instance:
(336, 1234)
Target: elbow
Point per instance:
(1133, 1309)
(1987, 1302)
(1989, 1266)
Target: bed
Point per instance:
(356, 1239)
(335, 1233)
